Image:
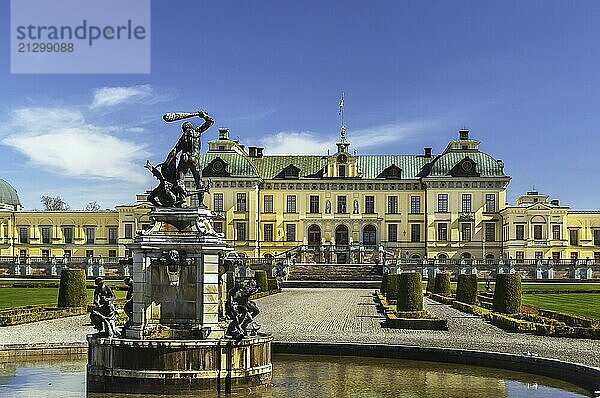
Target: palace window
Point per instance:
(290, 232)
(46, 235)
(89, 253)
(128, 231)
(520, 232)
(369, 204)
(490, 232)
(67, 253)
(490, 203)
(268, 204)
(392, 204)
(290, 204)
(218, 202)
(596, 258)
(466, 231)
(392, 232)
(68, 234)
(241, 202)
(45, 254)
(342, 170)
(597, 237)
(314, 204)
(442, 202)
(112, 254)
(574, 256)
(556, 232)
(23, 234)
(218, 226)
(574, 237)
(415, 232)
(539, 255)
(466, 202)
(537, 232)
(415, 204)
(442, 232)
(90, 235)
(240, 231)
(268, 232)
(369, 235)
(341, 204)
(314, 235)
(112, 236)
(520, 256)
(556, 256)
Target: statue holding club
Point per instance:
(171, 191)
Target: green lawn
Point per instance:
(580, 304)
(16, 297)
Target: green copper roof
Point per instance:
(270, 166)
(373, 165)
(8, 195)
(237, 165)
(486, 165)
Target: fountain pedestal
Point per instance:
(177, 340)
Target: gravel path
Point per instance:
(306, 314)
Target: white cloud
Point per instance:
(291, 142)
(110, 96)
(60, 140)
(312, 143)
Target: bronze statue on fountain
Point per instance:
(170, 191)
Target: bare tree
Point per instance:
(92, 206)
(54, 203)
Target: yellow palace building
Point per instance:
(339, 208)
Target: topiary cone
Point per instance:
(507, 294)
(466, 289)
(442, 284)
(410, 292)
(71, 292)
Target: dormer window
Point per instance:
(216, 168)
(392, 172)
(342, 159)
(290, 172)
(342, 170)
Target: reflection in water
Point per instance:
(309, 376)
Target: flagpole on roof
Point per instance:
(341, 113)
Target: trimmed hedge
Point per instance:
(430, 283)
(421, 320)
(272, 283)
(466, 289)
(469, 308)
(230, 280)
(442, 284)
(442, 299)
(262, 280)
(506, 322)
(20, 315)
(571, 320)
(410, 292)
(72, 289)
(508, 294)
(384, 281)
(391, 288)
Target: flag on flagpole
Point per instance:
(341, 104)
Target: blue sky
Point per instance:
(522, 76)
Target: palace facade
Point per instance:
(340, 207)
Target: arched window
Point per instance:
(369, 235)
(489, 256)
(442, 256)
(415, 256)
(466, 255)
(314, 235)
(341, 235)
(268, 256)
